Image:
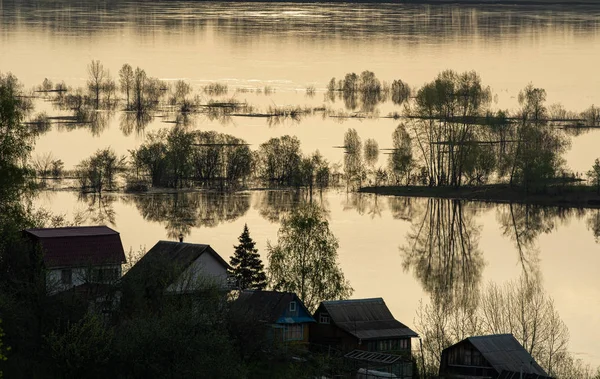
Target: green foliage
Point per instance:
(126, 80)
(3, 349)
(401, 160)
(314, 170)
(247, 267)
(279, 160)
(187, 338)
(594, 174)
(84, 350)
(538, 151)
(177, 157)
(98, 172)
(353, 162)
(304, 260)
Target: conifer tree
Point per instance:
(246, 264)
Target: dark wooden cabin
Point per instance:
(361, 324)
(498, 356)
(283, 314)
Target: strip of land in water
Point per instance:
(569, 196)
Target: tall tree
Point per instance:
(246, 264)
(97, 76)
(126, 79)
(594, 174)
(304, 260)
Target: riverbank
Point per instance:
(572, 196)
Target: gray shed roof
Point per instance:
(366, 319)
(505, 353)
(166, 261)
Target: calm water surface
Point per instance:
(289, 47)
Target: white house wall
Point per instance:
(79, 276)
(206, 270)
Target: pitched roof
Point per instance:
(366, 319)
(79, 246)
(267, 306)
(505, 353)
(166, 260)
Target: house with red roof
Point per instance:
(79, 257)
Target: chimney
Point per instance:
(180, 237)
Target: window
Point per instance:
(293, 332)
(404, 344)
(467, 357)
(66, 276)
(292, 306)
(323, 318)
(383, 345)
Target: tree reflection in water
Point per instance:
(99, 209)
(442, 250)
(134, 121)
(274, 204)
(181, 211)
(364, 204)
(593, 224)
(523, 224)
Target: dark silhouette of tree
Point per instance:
(594, 175)
(246, 264)
(126, 79)
(97, 77)
(304, 260)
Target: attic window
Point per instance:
(292, 306)
(323, 318)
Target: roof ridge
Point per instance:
(371, 299)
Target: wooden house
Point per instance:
(361, 324)
(174, 268)
(286, 318)
(498, 356)
(83, 256)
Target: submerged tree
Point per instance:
(96, 81)
(126, 79)
(594, 175)
(537, 153)
(353, 163)
(304, 260)
(247, 267)
(98, 172)
(401, 159)
(279, 160)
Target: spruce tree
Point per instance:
(246, 264)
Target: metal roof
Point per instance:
(366, 319)
(79, 246)
(505, 354)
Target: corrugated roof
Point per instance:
(79, 246)
(366, 319)
(505, 353)
(266, 306)
(166, 260)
